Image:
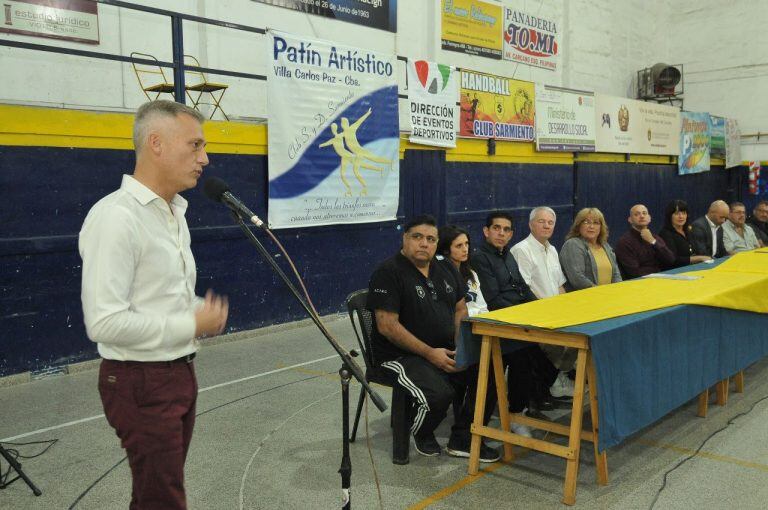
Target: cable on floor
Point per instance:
(695, 453)
(13, 452)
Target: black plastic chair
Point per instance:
(401, 400)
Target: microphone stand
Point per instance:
(348, 368)
(19, 473)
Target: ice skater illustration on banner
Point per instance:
(354, 152)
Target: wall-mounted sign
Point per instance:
(732, 143)
(496, 107)
(532, 39)
(472, 27)
(694, 143)
(380, 14)
(432, 93)
(73, 20)
(333, 135)
(630, 126)
(717, 136)
(565, 119)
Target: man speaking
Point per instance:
(139, 303)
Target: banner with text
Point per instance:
(532, 40)
(333, 133)
(717, 135)
(694, 143)
(72, 20)
(496, 107)
(636, 127)
(472, 27)
(732, 143)
(565, 119)
(380, 14)
(433, 90)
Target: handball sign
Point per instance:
(496, 107)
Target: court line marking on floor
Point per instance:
(208, 388)
(707, 455)
(470, 479)
(455, 487)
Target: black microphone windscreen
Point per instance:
(214, 188)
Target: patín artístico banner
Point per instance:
(333, 133)
(433, 90)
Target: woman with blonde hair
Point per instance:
(586, 257)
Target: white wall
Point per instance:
(722, 45)
(724, 48)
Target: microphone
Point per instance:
(218, 191)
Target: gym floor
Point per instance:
(268, 435)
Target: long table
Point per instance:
(638, 368)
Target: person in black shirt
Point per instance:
(759, 221)
(530, 373)
(418, 304)
(675, 234)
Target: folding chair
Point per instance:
(199, 83)
(401, 400)
(148, 76)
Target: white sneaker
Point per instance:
(521, 430)
(562, 387)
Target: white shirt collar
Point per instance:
(144, 195)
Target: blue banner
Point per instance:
(334, 137)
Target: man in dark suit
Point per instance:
(709, 227)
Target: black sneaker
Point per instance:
(427, 445)
(487, 454)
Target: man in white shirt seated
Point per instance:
(737, 234)
(540, 266)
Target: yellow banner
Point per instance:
(740, 283)
(472, 26)
(496, 107)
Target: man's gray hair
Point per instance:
(152, 110)
(539, 209)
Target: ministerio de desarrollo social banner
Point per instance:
(333, 133)
(565, 119)
(433, 90)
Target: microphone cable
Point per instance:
(13, 452)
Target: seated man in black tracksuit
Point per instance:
(418, 304)
(504, 286)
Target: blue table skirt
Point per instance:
(651, 363)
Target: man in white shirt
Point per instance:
(139, 303)
(737, 234)
(540, 266)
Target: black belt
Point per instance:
(184, 359)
